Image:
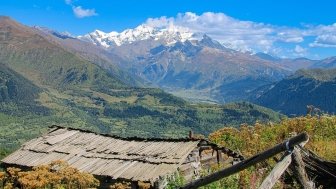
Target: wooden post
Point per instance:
(219, 156)
(191, 134)
(276, 173)
(300, 171)
(248, 162)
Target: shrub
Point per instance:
(57, 174)
(250, 140)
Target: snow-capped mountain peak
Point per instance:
(168, 35)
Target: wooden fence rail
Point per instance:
(285, 146)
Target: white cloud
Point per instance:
(298, 49)
(238, 34)
(79, 11)
(82, 13)
(322, 29)
(291, 36)
(325, 35)
(325, 40)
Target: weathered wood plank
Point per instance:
(300, 171)
(276, 173)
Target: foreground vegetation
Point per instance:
(253, 139)
(250, 140)
(57, 174)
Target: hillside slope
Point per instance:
(90, 52)
(15, 88)
(17, 94)
(315, 87)
(327, 63)
(26, 52)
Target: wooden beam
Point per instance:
(300, 171)
(287, 145)
(276, 173)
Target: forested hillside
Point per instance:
(292, 95)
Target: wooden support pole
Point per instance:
(276, 173)
(248, 162)
(219, 156)
(300, 171)
(191, 134)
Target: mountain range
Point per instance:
(193, 65)
(189, 65)
(50, 78)
(142, 32)
(182, 61)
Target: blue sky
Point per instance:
(287, 28)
